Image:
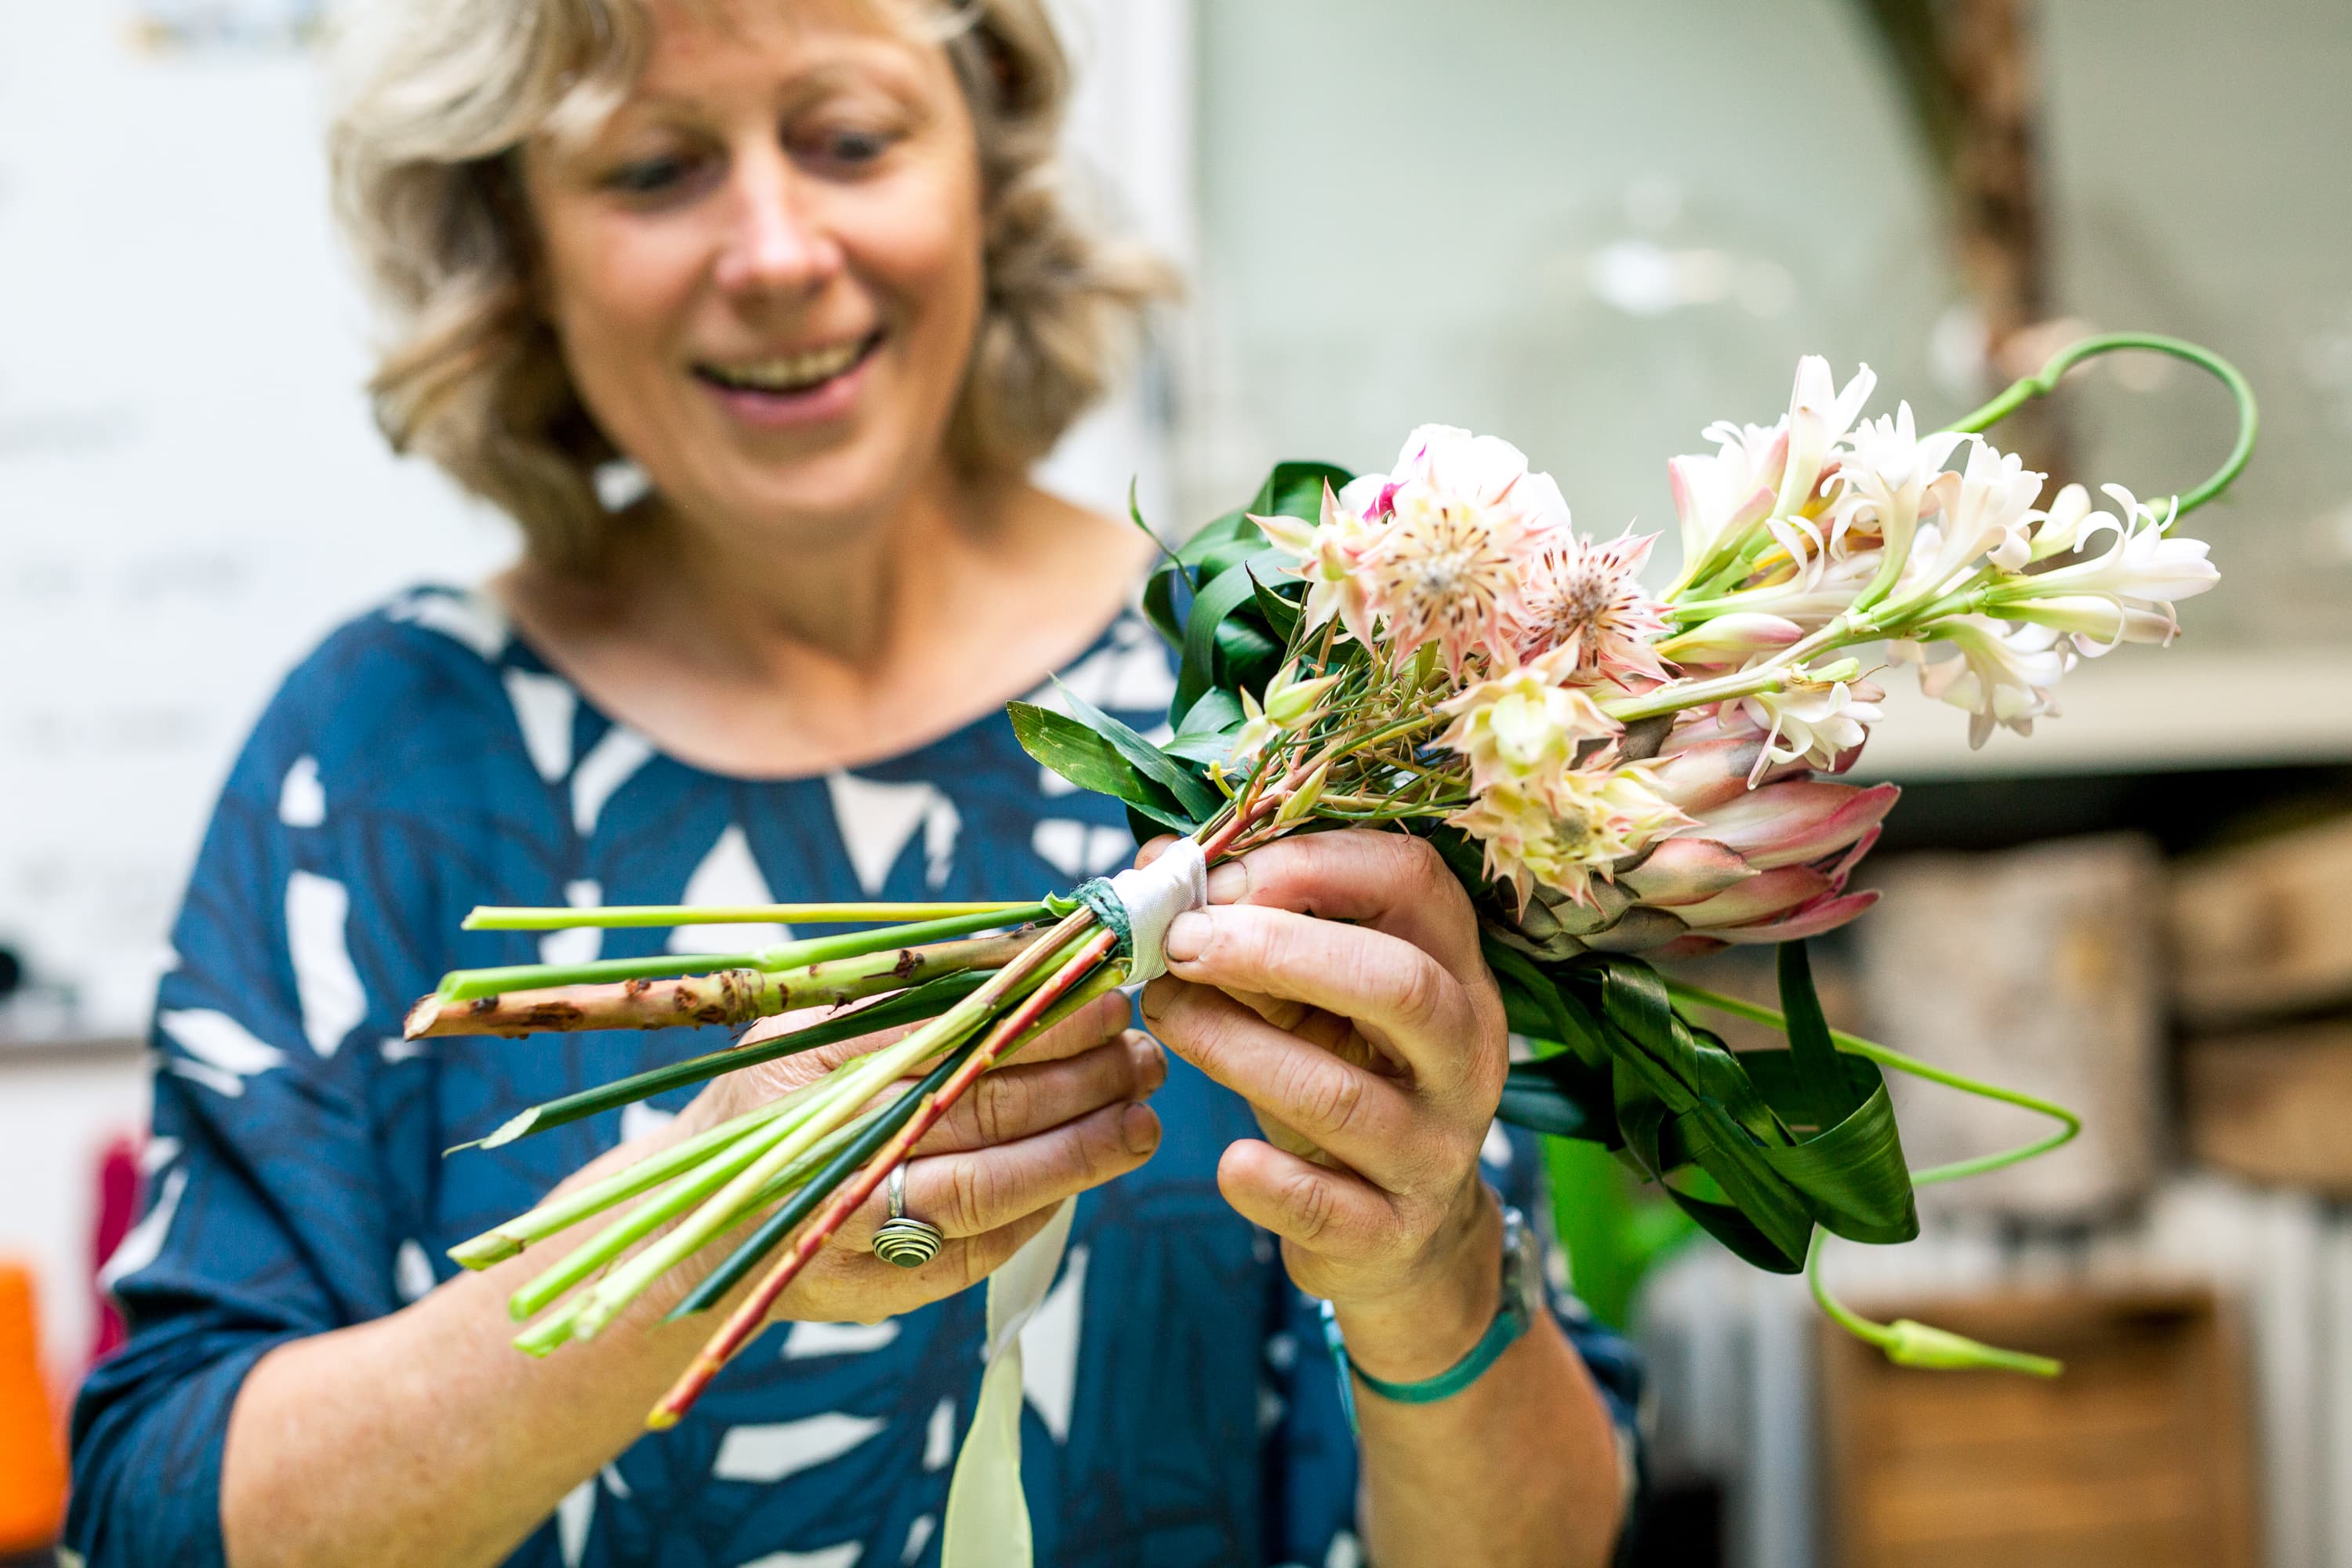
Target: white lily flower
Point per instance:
(1982, 514)
(1718, 498)
(2063, 523)
(1819, 418)
(2003, 675)
(1813, 718)
(2143, 564)
(1884, 479)
(2098, 623)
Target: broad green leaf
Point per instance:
(1296, 490)
(1217, 712)
(1280, 609)
(1146, 758)
(1090, 761)
(1197, 672)
(1536, 1104)
(1827, 1095)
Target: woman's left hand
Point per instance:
(1373, 1053)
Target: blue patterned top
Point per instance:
(1181, 1407)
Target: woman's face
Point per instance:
(765, 269)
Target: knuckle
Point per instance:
(1419, 992)
(1000, 1103)
(1324, 1097)
(1311, 1204)
(972, 1189)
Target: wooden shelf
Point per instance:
(2138, 709)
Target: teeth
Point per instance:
(792, 372)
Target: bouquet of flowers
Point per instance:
(1617, 776)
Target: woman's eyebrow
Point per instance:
(866, 63)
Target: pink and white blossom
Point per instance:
(1331, 557)
(1815, 721)
(1522, 729)
(2000, 672)
(1586, 600)
(1571, 832)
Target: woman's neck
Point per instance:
(754, 655)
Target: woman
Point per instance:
(803, 263)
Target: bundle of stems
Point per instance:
(806, 1160)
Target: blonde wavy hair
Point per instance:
(435, 97)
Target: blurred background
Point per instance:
(1593, 229)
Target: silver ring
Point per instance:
(908, 1243)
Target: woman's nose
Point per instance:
(774, 243)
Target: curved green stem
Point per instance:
(1908, 1343)
(2041, 382)
(2069, 1124)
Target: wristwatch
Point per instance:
(1522, 1298)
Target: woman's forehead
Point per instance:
(681, 43)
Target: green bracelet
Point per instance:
(1512, 1315)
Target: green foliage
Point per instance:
(1755, 1148)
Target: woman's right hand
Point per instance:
(1065, 1115)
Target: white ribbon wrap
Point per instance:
(1154, 896)
(988, 1516)
(987, 1523)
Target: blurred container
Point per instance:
(2037, 969)
(2139, 1457)
(2264, 928)
(32, 1453)
(2272, 1107)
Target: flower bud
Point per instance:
(1728, 638)
(2064, 524)
(1302, 800)
(1289, 704)
(1910, 1343)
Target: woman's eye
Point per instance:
(847, 149)
(647, 177)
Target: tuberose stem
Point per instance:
(732, 996)
(927, 1000)
(493, 917)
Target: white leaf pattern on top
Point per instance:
(143, 1242)
(301, 799)
(813, 1339)
(878, 821)
(573, 1517)
(469, 618)
(611, 763)
(768, 1453)
(221, 1043)
(333, 1002)
(727, 874)
(840, 1556)
(1049, 1347)
(544, 705)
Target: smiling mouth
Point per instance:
(788, 376)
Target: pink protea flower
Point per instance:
(1331, 557)
(1521, 729)
(1447, 569)
(1585, 600)
(1563, 833)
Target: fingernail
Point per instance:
(1229, 883)
(1150, 1063)
(1139, 1129)
(1188, 934)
